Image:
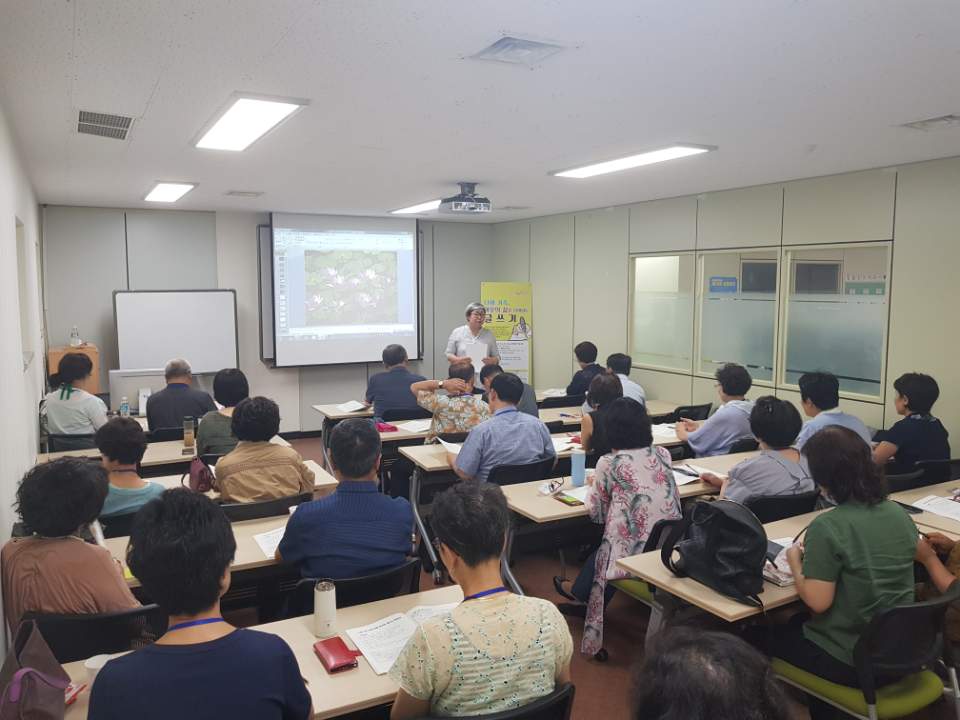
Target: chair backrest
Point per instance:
(165, 434)
(117, 525)
(77, 637)
(555, 706)
(211, 459)
(745, 444)
(62, 443)
(264, 508)
(902, 640)
(692, 412)
(513, 474)
(936, 471)
(401, 580)
(905, 481)
(768, 508)
(452, 437)
(417, 413)
(571, 401)
(554, 426)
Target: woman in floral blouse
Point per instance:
(632, 489)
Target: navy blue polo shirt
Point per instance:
(390, 390)
(917, 437)
(352, 532)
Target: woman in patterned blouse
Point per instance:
(495, 651)
(632, 489)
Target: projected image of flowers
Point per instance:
(345, 287)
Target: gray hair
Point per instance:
(177, 367)
(473, 307)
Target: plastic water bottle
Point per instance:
(124, 407)
(75, 340)
(578, 467)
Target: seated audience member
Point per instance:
(919, 436)
(508, 438)
(820, 396)
(54, 570)
(528, 401)
(633, 488)
(586, 353)
(258, 469)
(942, 574)
(181, 548)
(604, 389)
(215, 433)
(855, 560)
(620, 365)
(495, 651)
(390, 390)
(354, 531)
(122, 444)
(779, 469)
(459, 410)
(168, 408)
(729, 423)
(70, 410)
(697, 674)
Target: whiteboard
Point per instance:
(154, 326)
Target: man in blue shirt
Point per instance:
(390, 390)
(820, 396)
(729, 423)
(356, 530)
(510, 437)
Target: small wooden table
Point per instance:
(331, 695)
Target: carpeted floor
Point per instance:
(603, 689)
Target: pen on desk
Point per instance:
(568, 415)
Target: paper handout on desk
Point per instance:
(942, 506)
(453, 448)
(351, 406)
(681, 478)
(561, 444)
(578, 493)
(270, 541)
(381, 642)
(664, 430)
(554, 392)
(416, 426)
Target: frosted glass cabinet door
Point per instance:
(661, 313)
(738, 311)
(836, 315)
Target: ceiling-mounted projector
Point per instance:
(467, 201)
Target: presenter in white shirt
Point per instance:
(473, 340)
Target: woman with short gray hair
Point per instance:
(473, 340)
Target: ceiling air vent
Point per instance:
(104, 124)
(518, 51)
(244, 193)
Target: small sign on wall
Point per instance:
(723, 284)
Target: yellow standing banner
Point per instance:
(509, 317)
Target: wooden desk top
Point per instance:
(649, 567)
(567, 416)
(169, 452)
(525, 499)
(330, 412)
(335, 694)
(324, 482)
(654, 407)
(929, 519)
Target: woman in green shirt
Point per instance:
(855, 560)
(214, 436)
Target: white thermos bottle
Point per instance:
(324, 609)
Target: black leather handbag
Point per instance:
(720, 544)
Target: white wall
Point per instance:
(22, 387)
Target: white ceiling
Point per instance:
(785, 88)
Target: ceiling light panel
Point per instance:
(246, 120)
(421, 208)
(672, 152)
(168, 192)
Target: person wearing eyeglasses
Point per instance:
(495, 651)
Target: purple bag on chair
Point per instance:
(33, 681)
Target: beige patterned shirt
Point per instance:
(452, 413)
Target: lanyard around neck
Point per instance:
(193, 623)
(484, 593)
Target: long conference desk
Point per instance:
(168, 452)
(332, 694)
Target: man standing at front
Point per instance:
(508, 438)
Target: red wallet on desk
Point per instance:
(335, 655)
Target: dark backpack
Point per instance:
(720, 544)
